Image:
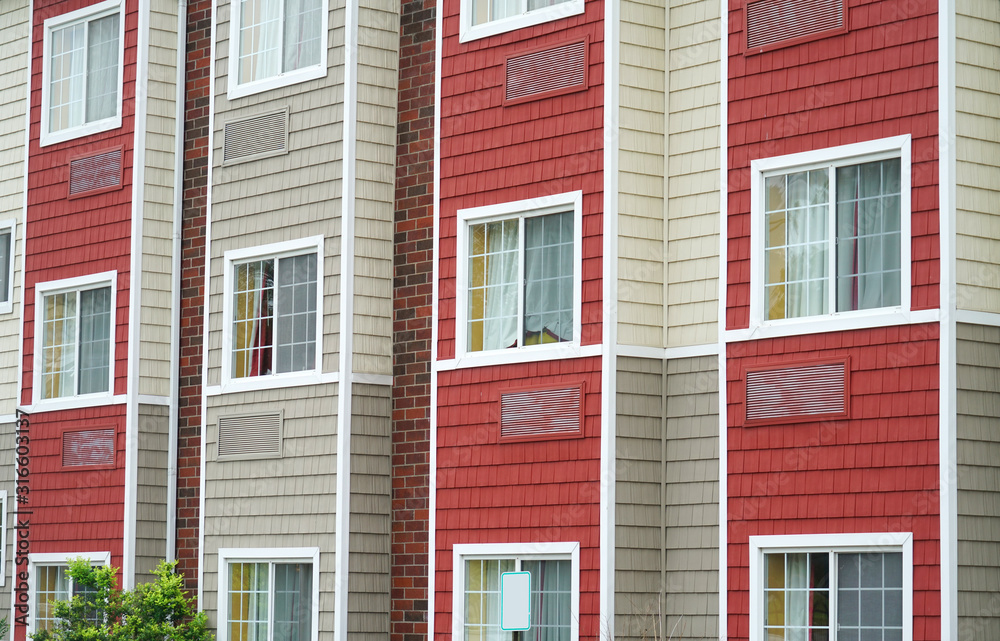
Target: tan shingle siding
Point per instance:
(151, 494)
(977, 97)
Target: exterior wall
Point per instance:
(978, 145)
(693, 168)
(283, 197)
(876, 471)
(378, 56)
(691, 502)
(877, 80)
(978, 495)
(151, 512)
(412, 309)
(286, 501)
(641, 173)
(160, 140)
(86, 235)
(667, 514)
(14, 42)
(491, 492)
(371, 471)
(196, 126)
(494, 154)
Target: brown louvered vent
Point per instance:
(541, 413)
(250, 435)
(546, 72)
(88, 447)
(773, 23)
(797, 392)
(95, 173)
(256, 137)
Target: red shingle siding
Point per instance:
(490, 492)
(199, 25)
(877, 80)
(412, 303)
(493, 154)
(874, 472)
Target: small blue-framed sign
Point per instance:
(515, 601)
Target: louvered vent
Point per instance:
(250, 435)
(548, 71)
(770, 22)
(88, 447)
(256, 137)
(540, 413)
(95, 173)
(806, 391)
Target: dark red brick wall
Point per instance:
(414, 238)
(193, 285)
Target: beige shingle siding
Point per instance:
(642, 82)
(978, 442)
(275, 502)
(666, 515)
(693, 169)
(371, 486)
(158, 201)
(978, 154)
(378, 55)
(14, 32)
(151, 508)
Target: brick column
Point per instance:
(414, 238)
(193, 285)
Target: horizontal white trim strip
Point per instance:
(62, 558)
(151, 399)
(973, 317)
(8, 418)
(668, 353)
(371, 379)
(57, 404)
(865, 540)
(513, 356)
(834, 324)
(252, 384)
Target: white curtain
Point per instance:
(260, 39)
(548, 278)
(95, 340)
(500, 330)
(303, 39)
(102, 68)
(59, 346)
(66, 107)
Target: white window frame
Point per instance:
(7, 304)
(299, 247)
(4, 507)
(558, 203)
(36, 559)
(264, 555)
(85, 14)
(545, 551)
(469, 32)
(883, 149)
(236, 90)
(80, 283)
(883, 542)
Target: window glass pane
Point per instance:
(296, 345)
(548, 273)
(550, 592)
(303, 40)
(51, 584)
(260, 40)
(493, 273)
(482, 598)
(538, 4)
(59, 345)
(67, 77)
(95, 340)
(292, 601)
(248, 588)
(867, 606)
(253, 318)
(102, 67)
(6, 249)
(796, 596)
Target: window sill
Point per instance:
(52, 138)
(276, 381)
(833, 323)
(75, 402)
(521, 355)
(276, 82)
(538, 16)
